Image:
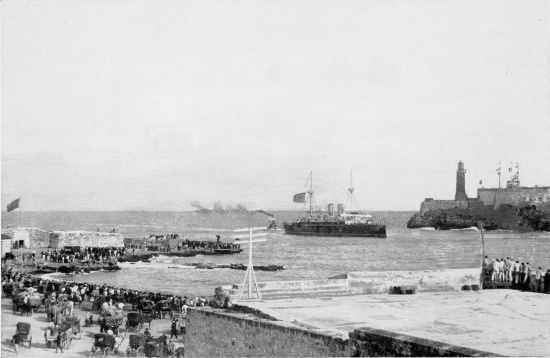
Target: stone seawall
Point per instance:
(371, 342)
(215, 333)
(218, 333)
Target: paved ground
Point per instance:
(78, 347)
(506, 322)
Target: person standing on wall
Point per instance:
(538, 280)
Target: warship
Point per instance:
(340, 224)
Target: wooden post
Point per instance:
(483, 268)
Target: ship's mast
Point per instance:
(310, 194)
(350, 189)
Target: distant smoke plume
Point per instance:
(219, 207)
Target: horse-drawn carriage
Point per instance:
(112, 323)
(8, 289)
(104, 344)
(159, 347)
(134, 322)
(142, 345)
(27, 302)
(50, 336)
(136, 346)
(146, 306)
(72, 322)
(23, 331)
(163, 308)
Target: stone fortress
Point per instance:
(488, 202)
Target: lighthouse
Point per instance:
(461, 183)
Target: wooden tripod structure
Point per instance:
(250, 275)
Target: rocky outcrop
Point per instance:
(506, 217)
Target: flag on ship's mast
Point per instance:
(299, 198)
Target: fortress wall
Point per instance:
(441, 205)
(527, 196)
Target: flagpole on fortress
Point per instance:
(20, 213)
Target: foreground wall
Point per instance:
(215, 333)
(370, 342)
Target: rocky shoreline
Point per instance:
(506, 217)
(147, 256)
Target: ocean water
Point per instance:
(302, 257)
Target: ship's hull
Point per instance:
(335, 229)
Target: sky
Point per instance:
(150, 105)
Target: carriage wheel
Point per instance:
(92, 351)
(48, 344)
(128, 351)
(30, 342)
(69, 341)
(107, 351)
(140, 352)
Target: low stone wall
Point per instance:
(360, 283)
(215, 333)
(423, 281)
(371, 342)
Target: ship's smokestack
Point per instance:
(461, 183)
(330, 209)
(340, 209)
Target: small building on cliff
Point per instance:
(28, 237)
(86, 239)
(35, 238)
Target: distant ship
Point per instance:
(344, 224)
(273, 224)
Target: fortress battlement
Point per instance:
(495, 197)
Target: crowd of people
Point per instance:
(93, 254)
(61, 297)
(111, 296)
(186, 245)
(518, 274)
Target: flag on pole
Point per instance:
(13, 205)
(498, 168)
(300, 198)
(481, 182)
